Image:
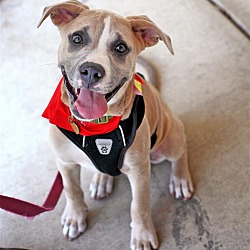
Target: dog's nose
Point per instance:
(91, 73)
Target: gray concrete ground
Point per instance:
(206, 83)
(240, 8)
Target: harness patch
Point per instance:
(104, 146)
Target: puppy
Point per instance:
(100, 91)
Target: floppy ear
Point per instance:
(148, 33)
(63, 12)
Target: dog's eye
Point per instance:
(121, 48)
(76, 38)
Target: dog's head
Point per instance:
(98, 53)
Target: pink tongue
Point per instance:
(91, 105)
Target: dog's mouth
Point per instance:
(86, 104)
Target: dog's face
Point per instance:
(98, 57)
(98, 53)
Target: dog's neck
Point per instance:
(121, 104)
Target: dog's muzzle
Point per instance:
(86, 104)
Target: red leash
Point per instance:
(30, 210)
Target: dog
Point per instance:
(97, 56)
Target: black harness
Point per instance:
(107, 151)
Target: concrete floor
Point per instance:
(206, 83)
(240, 8)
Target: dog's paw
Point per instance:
(181, 186)
(73, 220)
(101, 186)
(143, 238)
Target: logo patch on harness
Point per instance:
(104, 146)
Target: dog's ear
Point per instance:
(148, 33)
(63, 12)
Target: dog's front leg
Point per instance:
(75, 213)
(143, 234)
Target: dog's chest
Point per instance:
(107, 151)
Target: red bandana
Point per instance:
(58, 114)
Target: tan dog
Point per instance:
(98, 55)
